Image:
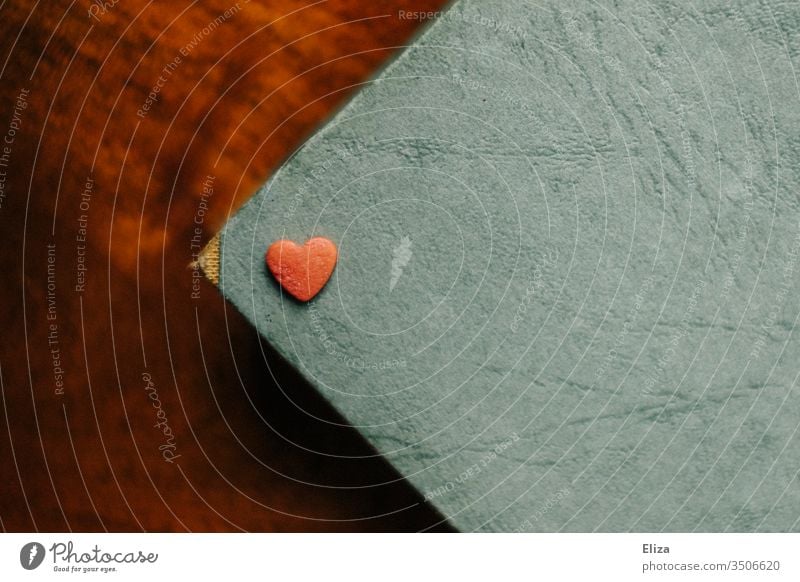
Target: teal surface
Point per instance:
(566, 298)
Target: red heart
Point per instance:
(302, 270)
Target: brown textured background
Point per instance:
(253, 457)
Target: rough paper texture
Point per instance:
(566, 292)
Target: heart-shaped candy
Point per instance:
(302, 270)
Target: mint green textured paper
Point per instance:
(567, 290)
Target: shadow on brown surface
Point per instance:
(117, 117)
